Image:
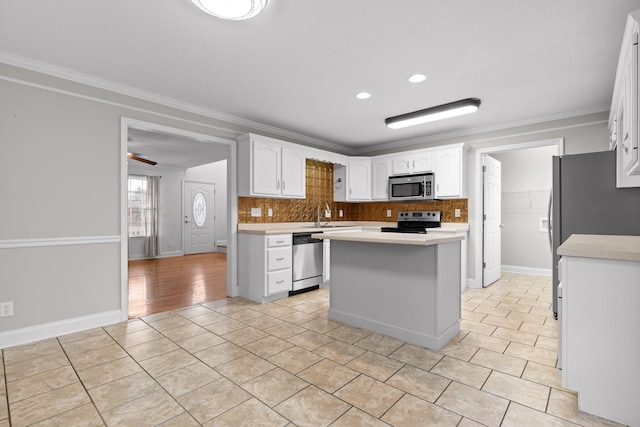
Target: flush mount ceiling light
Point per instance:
(234, 10)
(445, 111)
(363, 95)
(417, 78)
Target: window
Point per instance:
(137, 206)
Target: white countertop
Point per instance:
(308, 227)
(451, 227)
(624, 248)
(305, 227)
(390, 238)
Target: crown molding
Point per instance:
(89, 80)
(400, 145)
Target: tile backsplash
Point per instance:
(319, 181)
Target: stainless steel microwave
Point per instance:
(412, 187)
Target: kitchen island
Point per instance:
(406, 286)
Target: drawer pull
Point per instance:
(279, 241)
(280, 281)
(279, 259)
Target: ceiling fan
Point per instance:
(141, 158)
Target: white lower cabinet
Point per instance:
(264, 267)
(599, 342)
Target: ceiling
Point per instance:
(171, 151)
(295, 69)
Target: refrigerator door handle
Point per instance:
(549, 223)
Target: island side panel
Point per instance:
(449, 298)
(391, 289)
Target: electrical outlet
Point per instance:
(388, 213)
(340, 213)
(270, 212)
(327, 213)
(6, 309)
(457, 213)
(256, 211)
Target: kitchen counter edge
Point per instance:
(622, 248)
(285, 228)
(390, 238)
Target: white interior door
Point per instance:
(492, 226)
(198, 217)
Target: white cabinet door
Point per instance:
(293, 173)
(401, 165)
(380, 171)
(265, 164)
(422, 162)
(448, 172)
(359, 179)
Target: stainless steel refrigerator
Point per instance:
(586, 201)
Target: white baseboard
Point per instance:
(138, 257)
(527, 270)
(473, 284)
(56, 329)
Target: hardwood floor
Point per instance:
(164, 284)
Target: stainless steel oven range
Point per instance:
(415, 222)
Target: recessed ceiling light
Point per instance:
(235, 10)
(363, 95)
(417, 78)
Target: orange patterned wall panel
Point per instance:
(320, 190)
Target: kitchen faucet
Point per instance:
(319, 218)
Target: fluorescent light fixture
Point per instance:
(445, 111)
(417, 78)
(363, 95)
(234, 10)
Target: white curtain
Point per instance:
(151, 244)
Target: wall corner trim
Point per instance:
(57, 241)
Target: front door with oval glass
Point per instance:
(198, 217)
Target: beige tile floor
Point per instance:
(238, 363)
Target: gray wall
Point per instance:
(60, 222)
(526, 183)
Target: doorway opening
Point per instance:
(196, 254)
(488, 206)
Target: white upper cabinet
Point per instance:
(623, 118)
(449, 172)
(359, 179)
(422, 162)
(380, 171)
(267, 168)
(293, 172)
(412, 163)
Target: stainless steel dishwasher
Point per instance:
(307, 263)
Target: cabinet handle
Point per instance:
(414, 164)
(280, 281)
(283, 184)
(277, 184)
(279, 259)
(279, 241)
(625, 148)
(626, 136)
(349, 190)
